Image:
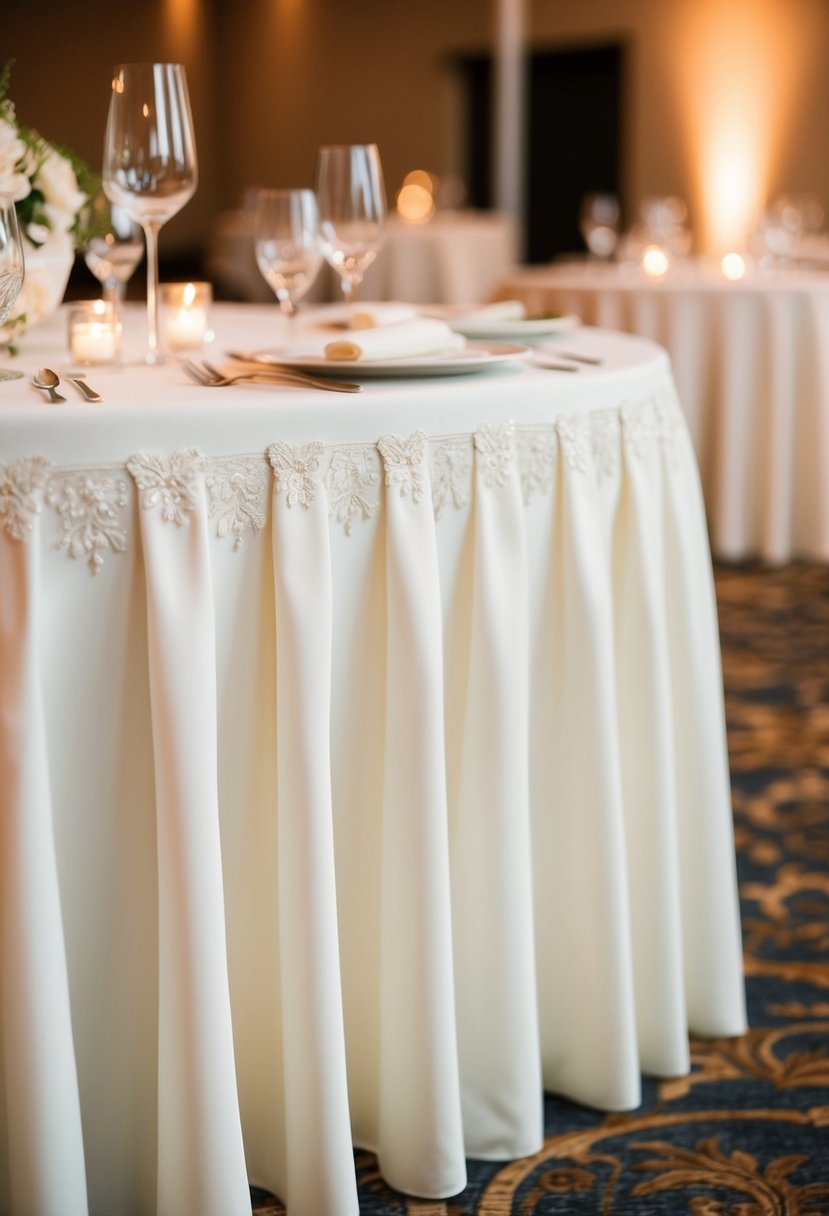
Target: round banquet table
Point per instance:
(457, 257)
(752, 372)
(362, 774)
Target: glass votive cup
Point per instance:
(94, 332)
(185, 311)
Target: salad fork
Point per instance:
(206, 374)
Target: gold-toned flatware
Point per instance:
(8, 373)
(83, 388)
(210, 377)
(44, 378)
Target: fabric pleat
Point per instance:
(420, 1135)
(201, 1162)
(316, 1100)
(492, 909)
(44, 1174)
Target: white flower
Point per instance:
(12, 150)
(56, 178)
(45, 280)
(37, 233)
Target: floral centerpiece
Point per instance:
(52, 189)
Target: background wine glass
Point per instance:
(150, 158)
(11, 257)
(599, 223)
(115, 250)
(287, 241)
(352, 206)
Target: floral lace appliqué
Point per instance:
(451, 468)
(637, 421)
(170, 484)
(574, 444)
(493, 449)
(19, 482)
(88, 505)
(237, 489)
(536, 448)
(351, 475)
(604, 443)
(404, 461)
(294, 467)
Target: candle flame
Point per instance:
(188, 295)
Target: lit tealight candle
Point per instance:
(655, 262)
(733, 266)
(94, 332)
(185, 306)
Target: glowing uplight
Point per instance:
(733, 266)
(737, 66)
(655, 262)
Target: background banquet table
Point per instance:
(751, 369)
(362, 772)
(457, 257)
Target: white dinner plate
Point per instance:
(519, 329)
(476, 357)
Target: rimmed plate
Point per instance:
(476, 357)
(521, 329)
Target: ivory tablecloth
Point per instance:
(362, 772)
(750, 364)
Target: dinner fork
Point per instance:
(206, 374)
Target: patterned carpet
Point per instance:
(747, 1133)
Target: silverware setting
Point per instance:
(591, 359)
(47, 380)
(83, 388)
(554, 367)
(206, 374)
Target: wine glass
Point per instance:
(599, 223)
(150, 158)
(287, 240)
(352, 207)
(115, 250)
(11, 257)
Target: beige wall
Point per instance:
(273, 79)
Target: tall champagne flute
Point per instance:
(352, 206)
(11, 257)
(287, 240)
(150, 158)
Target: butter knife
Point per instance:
(83, 388)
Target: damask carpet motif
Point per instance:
(747, 1133)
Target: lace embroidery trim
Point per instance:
(19, 483)
(352, 475)
(493, 449)
(237, 491)
(294, 467)
(89, 503)
(170, 484)
(405, 462)
(451, 472)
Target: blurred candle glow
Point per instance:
(733, 266)
(655, 262)
(184, 314)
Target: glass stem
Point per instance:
(151, 234)
(351, 290)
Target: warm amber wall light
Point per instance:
(181, 19)
(736, 67)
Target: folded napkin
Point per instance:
(367, 316)
(397, 340)
(503, 310)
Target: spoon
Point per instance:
(48, 380)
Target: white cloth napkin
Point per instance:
(419, 337)
(370, 315)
